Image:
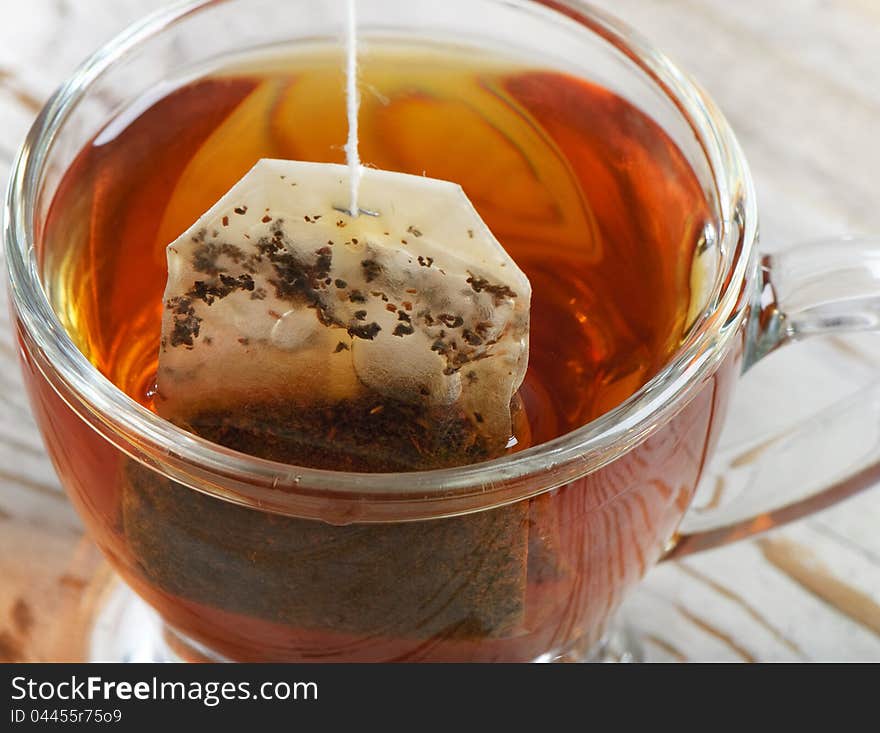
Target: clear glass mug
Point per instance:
(523, 558)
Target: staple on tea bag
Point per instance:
(277, 296)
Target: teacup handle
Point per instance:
(814, 289)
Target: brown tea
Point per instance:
(595, 204)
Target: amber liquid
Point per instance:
(589, 196)
(594, 202)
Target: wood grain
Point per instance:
(798, 80)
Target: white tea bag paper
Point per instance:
(283, 312)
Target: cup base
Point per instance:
(126, 629)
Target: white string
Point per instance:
(353, 102)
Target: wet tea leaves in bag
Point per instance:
(455, 578)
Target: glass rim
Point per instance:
(272, 486)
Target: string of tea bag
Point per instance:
(352, 106)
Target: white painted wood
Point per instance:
(798, 80)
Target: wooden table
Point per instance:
(799, 81)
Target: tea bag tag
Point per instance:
(277, 293)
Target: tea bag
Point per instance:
(393, 340)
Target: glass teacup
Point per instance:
(523, 558)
